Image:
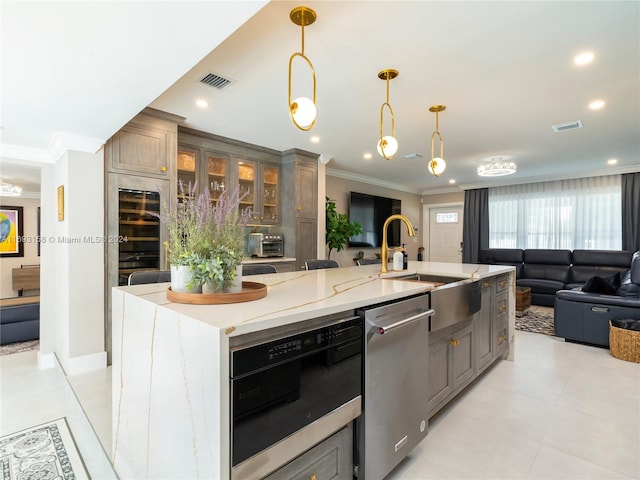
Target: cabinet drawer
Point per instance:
(501, 305)
(502, 283)
(331, 459)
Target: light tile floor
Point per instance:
(559, 411)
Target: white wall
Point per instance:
(338, 189)
(72, 267)
(30, 232)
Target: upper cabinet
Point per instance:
(221, 164)
(259, 184)
(202, 169)
(145, 146)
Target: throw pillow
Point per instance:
(606, 285)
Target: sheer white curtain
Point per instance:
(583, 213)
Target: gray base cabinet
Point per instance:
(451, 363)
(330, 459)
(458, 354)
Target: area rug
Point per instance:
(537, 320)
(43, 452)
(19, 347)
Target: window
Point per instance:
(584, 213)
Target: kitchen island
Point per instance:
(171, 408)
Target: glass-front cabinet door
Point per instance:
(216, 175)
(270, 194)
(187, 171)
(248, 188)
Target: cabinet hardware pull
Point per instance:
(454, 343)
(312, 477)
(501, 338)
(298, 208)
(486, 284)
(163, 169)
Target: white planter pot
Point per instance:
(237, 283)
(180, 277)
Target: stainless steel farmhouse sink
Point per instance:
(454, 299)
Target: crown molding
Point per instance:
(369, 180)
(60, 144)
(509, 180)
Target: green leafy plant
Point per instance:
(339, 229)
(217, 268)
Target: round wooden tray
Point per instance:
(250, 291)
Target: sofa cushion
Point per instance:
(607, 285)
(558, 273)
(539, 285)
(547, 256)
(502, 256)
(20, 313)
(605, 258)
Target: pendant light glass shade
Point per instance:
(302, 110)
(387, 145)
(437, 165)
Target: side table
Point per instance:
(523, 300)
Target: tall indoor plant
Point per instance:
(339, 229)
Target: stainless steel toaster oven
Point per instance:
(265, 245)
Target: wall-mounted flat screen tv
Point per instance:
(371, 211)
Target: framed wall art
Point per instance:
(11, 231)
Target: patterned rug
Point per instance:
(43, 452)
(19, 347)
(537, 320)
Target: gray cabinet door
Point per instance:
(501, 320)
(462, 357)
(484, 326)
(440, 378)
(306, 229)
(331, 460)
(144, 146)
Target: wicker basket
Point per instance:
(624, 344)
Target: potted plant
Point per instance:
(339, 229)
(205, 242)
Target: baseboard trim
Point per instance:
(86, 363)
(47, 360)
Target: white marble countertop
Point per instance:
(302, 295)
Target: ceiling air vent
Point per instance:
(214, 80)
(561, 127)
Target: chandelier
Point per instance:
(8, 190)
(497, 168)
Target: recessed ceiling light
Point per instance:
(202, 103)
(315, 139)
(584, 58)
(367, 156)
(596, 104)
(453, 180)
(612, 161)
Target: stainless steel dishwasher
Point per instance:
(395, 366)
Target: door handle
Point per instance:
(393, 326)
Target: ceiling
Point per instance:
(504, 70)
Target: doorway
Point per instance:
(444, 233)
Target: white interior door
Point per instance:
(445, 234)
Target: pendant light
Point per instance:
(387, 145)
(303, 110)
(437, 164)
